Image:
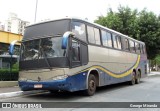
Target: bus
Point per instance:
(72, 54)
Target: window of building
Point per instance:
(106, 39)
(79, 29)
(132, 46)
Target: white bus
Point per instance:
(72, 54)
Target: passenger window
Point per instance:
(118, 39)
(117, 42)
(97, 36)
(126, 45)
(141, 48)
(137, 47)
(114, 41)
(91, 38)
(106, 39)
(93, 35)
(132, 46)
(144, 49)
(79, 30)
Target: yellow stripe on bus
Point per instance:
(113, 74)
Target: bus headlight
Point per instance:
(22, 79)
(60, 77)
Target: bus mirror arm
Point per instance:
(11, 47)
(65, 37)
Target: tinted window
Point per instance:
(106, 39)
(93, 35)
(144, 49)
(132, 47)
(117, 42)
(75, 51)
(79, 30)
(126, 45)
(46, 29)
(91, 38)
(97, 36)
(141, 48)
(137, 47)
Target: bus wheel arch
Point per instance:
(96, 74)
(92, 82)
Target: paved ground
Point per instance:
(9, 89)
(147, 91)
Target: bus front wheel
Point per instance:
(91, 86)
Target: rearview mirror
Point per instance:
(65, 37)
(11, 47)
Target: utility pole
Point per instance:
(36, 11)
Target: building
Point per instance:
(1, 26)
(15, 24)
(5, 39)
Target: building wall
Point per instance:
(7, 37)
(15, 24)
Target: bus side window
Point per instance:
(114, 41)
(144, 49)
(91, 37)
(117, 42)
(118, 38)
(137, 47)
(126, 47)
(97, 36)
(79, 29)
(141, 47)
(132, 46)
(106, 38)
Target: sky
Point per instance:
(52, 9)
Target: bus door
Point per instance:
(78, 52)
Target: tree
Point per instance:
(143, 25)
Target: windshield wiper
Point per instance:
(46, 59)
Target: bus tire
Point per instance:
(138, 77)
(91, 86)
(133, 79)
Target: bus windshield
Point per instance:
(42, 48)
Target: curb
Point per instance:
(18, 93)
(8, 83)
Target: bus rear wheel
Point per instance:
(133, 79)
(138, 77)
(91, 86)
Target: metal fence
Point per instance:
(9, 76)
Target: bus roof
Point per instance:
(83, 20)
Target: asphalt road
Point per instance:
(147, 91)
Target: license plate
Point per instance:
(38, 86)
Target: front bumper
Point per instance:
(46, 85)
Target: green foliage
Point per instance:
(15, 66)
(143, 25)
(157, 59)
